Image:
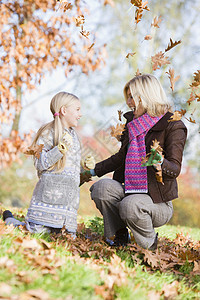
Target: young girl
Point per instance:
(55, 199)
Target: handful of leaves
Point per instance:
(154, 158)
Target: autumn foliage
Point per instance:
(35, 38)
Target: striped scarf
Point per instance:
(135, 174)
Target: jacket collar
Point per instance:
(160, 125)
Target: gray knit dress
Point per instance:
(55, 199)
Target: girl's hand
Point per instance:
(65, 143)
(89, 162)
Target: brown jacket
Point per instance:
(172, 137)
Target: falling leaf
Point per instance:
(120, 115)
(192, 98)
(109, 2)
(156, 21)
(196, 80)
(183, 112)
(139, 10)
(172, 78)
(172, 45)
(138, 73)
(91, 47)
(84, 33)
(80, 20)
(191, 120)
(130, 54)
(175, 117)
(148, 37)
(159, 60)
(117, 131)
(35, 150)
(140, 4)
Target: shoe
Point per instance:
(7, 214)
(155, 243)
(122, 237)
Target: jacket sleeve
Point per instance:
(173, 150)
(115, 161)
(49, 156)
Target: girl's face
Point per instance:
(71, 114)
(131, 104)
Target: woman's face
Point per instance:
(131, 104)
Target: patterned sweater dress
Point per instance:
(55, 199)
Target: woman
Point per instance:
(134, 198)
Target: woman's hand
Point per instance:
(88, 163)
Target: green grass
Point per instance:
(76, 278)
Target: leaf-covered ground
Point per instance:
(57, 267)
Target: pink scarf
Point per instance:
(135, 174)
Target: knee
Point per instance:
(128, 210)
(100, 188)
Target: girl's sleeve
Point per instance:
(49, 156)
(174, 146)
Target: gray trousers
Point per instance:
(137, 211)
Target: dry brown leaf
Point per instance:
(192, 98)
(130, 54)
(170, 291)
(159, 60)
(156, 21)
(191, 120)
(80, 20)
(196, 80)
(117, 131)
(148, 37)
(140, 4)
(120, 113)
(176, 116)
(156, 146)
(91, 47)
(159, 177)
(172, 78)
(84, 33)
(151, 258)
(35, 150)
(109, 2)
(172, 45)
(138, 73)
(153, 295)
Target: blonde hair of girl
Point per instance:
(147, 90)
(59, 100)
